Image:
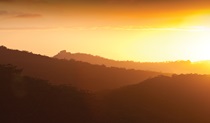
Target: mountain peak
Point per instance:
(62, 54)
(63, 51)
(3, 47)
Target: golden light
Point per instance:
(200, 44)
(163, 44)
(200, 28)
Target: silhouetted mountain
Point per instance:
(177, 67)
(25, 99)
(78, 74)
(87, 58)
(163, 99)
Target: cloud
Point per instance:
(27, 15)
(6, 0)
(19, 14)
(26, 28)
(3, 12)
(110, 1)
(133, 3)
(116, 28)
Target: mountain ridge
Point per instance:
(79, 74)
(176, 67)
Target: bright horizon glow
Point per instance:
(191, 43)
(168, 31)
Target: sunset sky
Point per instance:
(139, 30)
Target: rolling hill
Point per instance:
(177, 67)
(79, 74)
(162, 99)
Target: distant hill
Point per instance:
(178, 67)
(163, 99)
(87, 58)
(79, 74)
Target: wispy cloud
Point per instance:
(28, 15)
(3, 12)
(117, 28)
(138, 28)
(12, 14)
(6, 0)
(25, 28)
(113, 1)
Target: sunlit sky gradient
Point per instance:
(139, 30)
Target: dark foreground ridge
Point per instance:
(176, 99)
(25, 99)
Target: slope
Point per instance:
(75, 73)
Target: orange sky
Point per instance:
(140, 30)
